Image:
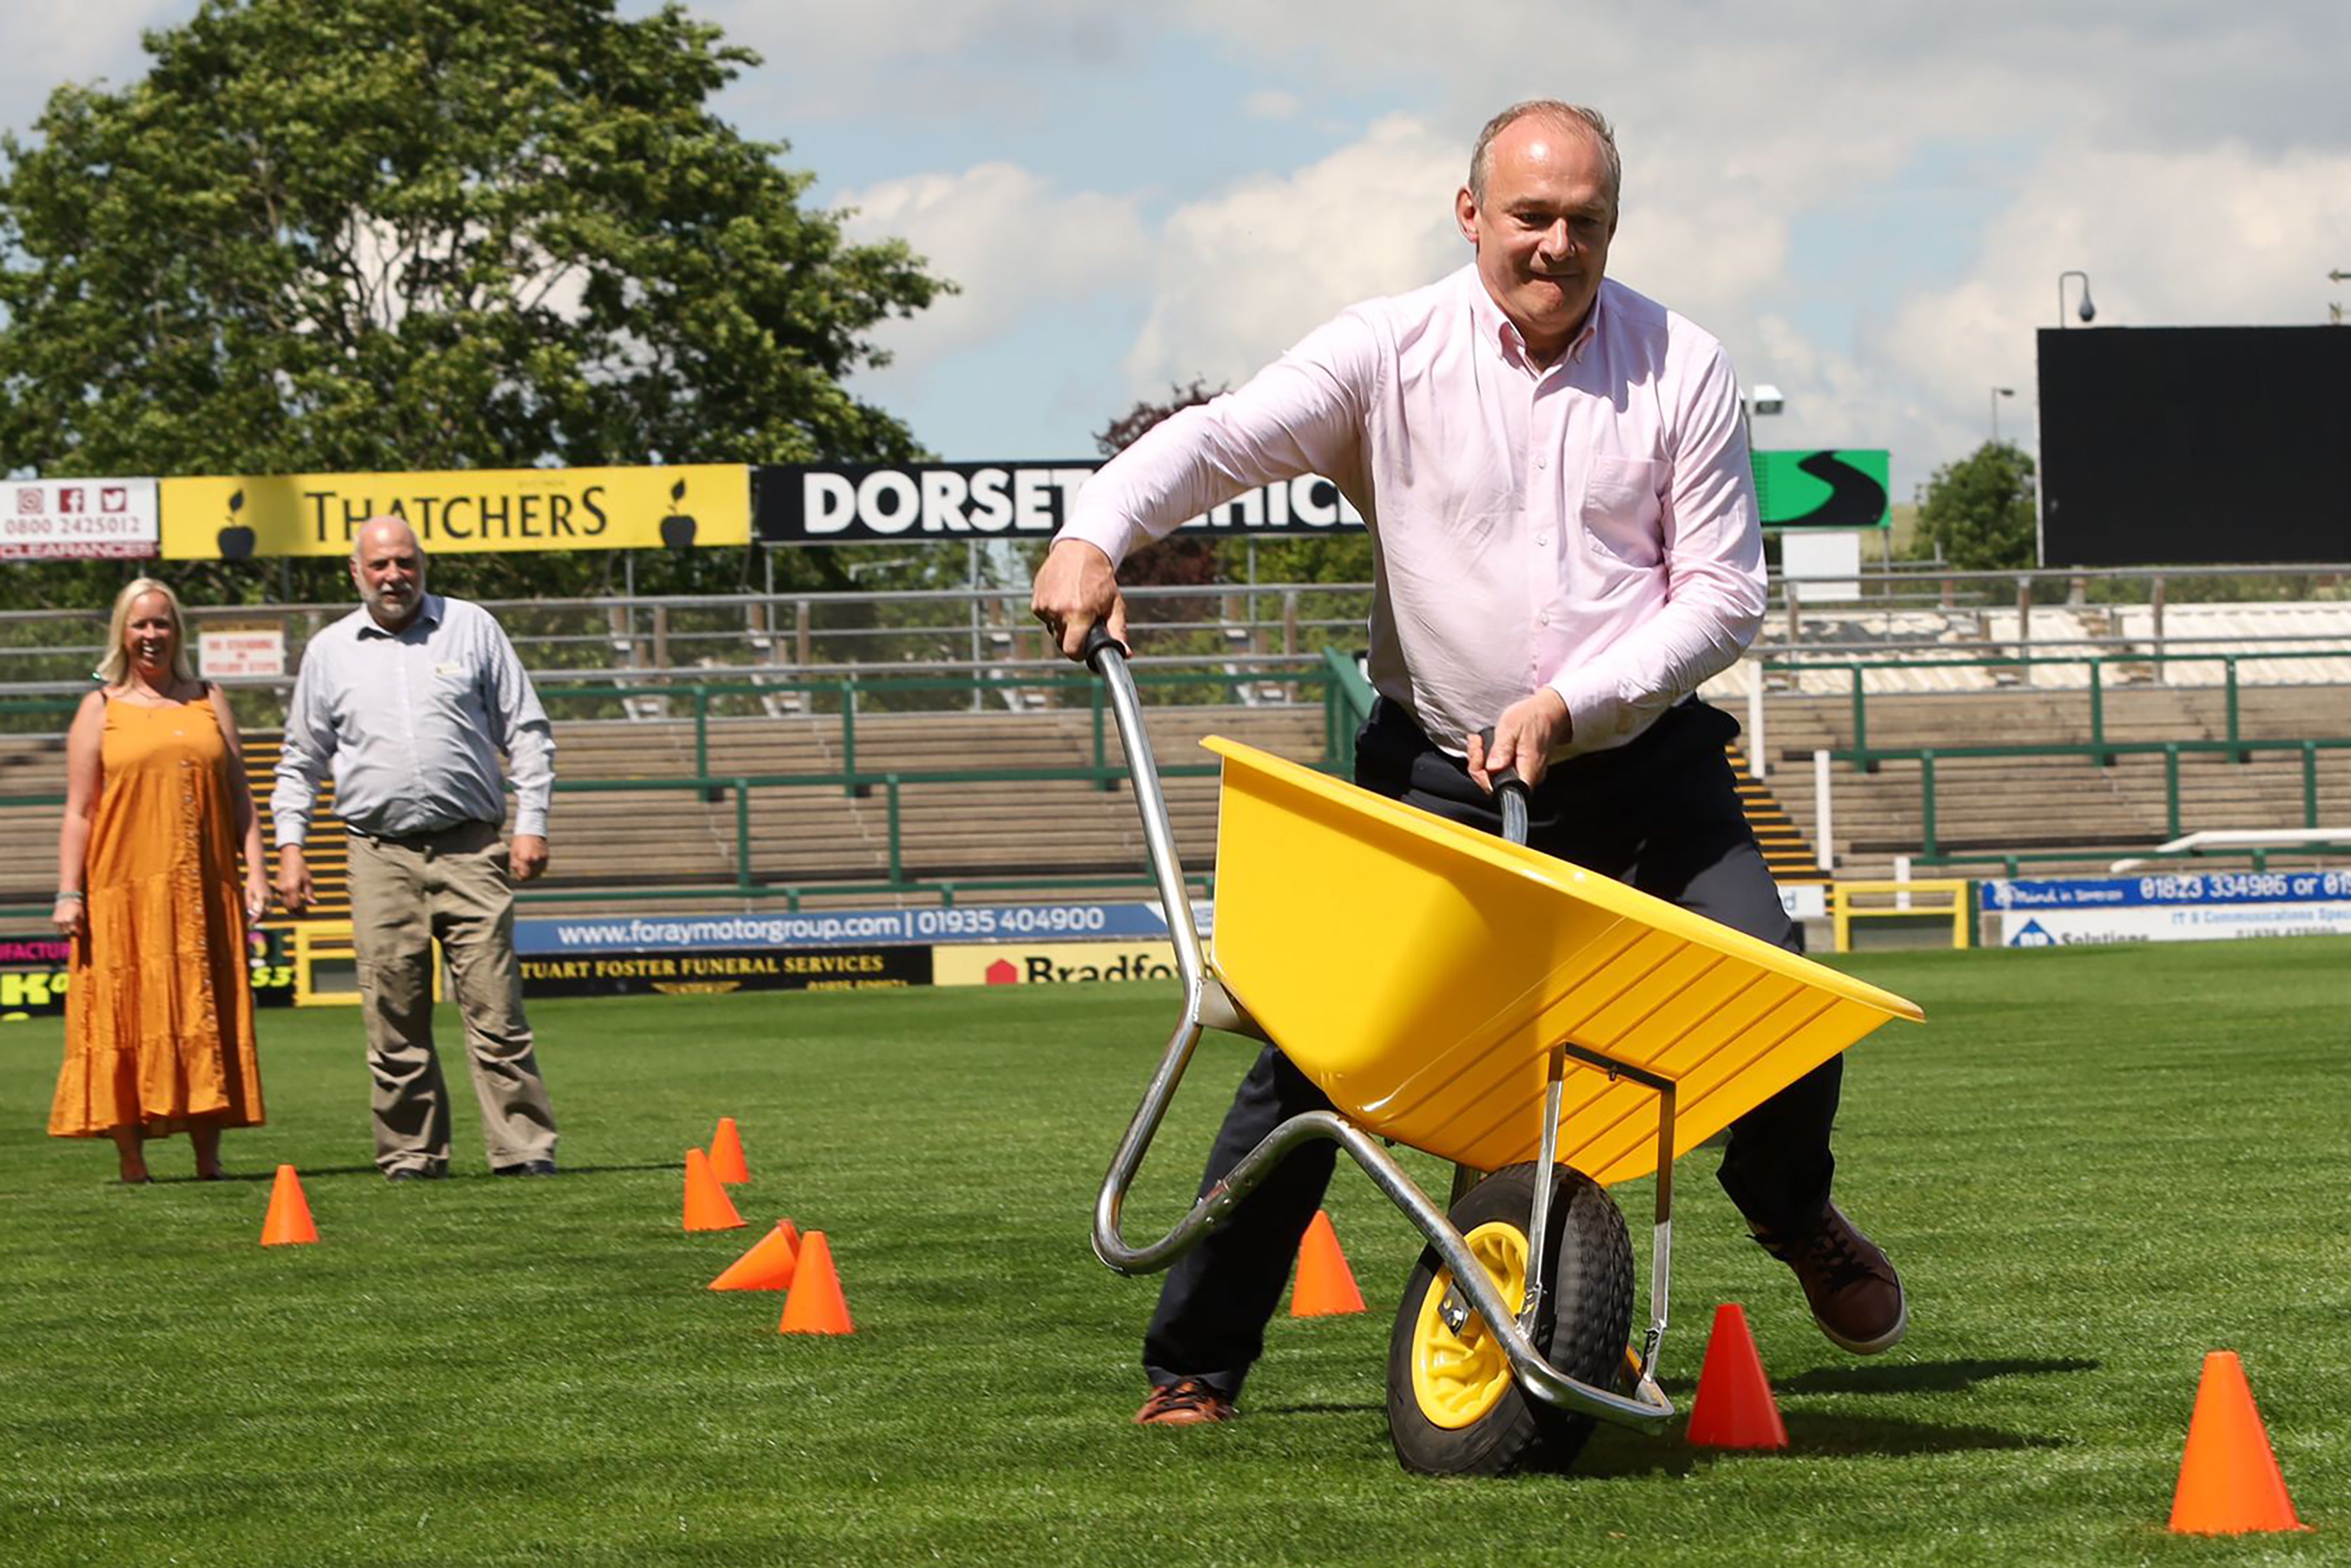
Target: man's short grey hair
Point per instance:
(1589, 120)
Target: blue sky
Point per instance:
(1869, 202)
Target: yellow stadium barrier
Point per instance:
(1941, 898)
(314, 945)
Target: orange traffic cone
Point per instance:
(768, 1265)
(726, 1153)
(1734, 1407)
(816, 1304)
(1325, 1286)
(2228, 1479)
(707, 1207)
(288, 1223)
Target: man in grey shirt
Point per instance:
(408, 700)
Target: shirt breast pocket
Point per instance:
(1621, 511)
(456, 689)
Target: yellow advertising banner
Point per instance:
(240, 516)
(1050, 962)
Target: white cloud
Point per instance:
(1244, 274)
(931, 59)
(52, 42)
(1015, 247)
(2226, 236)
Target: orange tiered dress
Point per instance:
(159, 1006)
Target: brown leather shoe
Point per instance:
(1187, 1401)
(1854, 1291)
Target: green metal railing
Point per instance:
(1102, 771)
(2103, 753)
(1862, 754)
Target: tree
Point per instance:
(387, 234)
(1977, 513)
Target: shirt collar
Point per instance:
(1499, 334)
(428, 613)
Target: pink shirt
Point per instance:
(1590, 527)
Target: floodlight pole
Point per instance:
(2089, 311)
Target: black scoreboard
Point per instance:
(2195, 445)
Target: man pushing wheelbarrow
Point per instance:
(1555, 474)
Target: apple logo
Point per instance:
(677, 529)
(236, 540)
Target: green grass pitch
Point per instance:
(2092, 1164)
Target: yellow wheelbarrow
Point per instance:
(1497, 1008)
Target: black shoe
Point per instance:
(526, 1168)
(412, 1173)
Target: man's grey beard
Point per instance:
(374, 597)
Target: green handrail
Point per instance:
(1865, 757)
(1926, 800)
(2234, 749)
(1346, 708)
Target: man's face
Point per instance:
(389, 573)
(1543, 230)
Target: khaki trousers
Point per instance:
(450, 886)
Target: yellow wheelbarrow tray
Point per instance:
(1474, 999)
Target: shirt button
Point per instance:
(1544, 618)
(1542, 538)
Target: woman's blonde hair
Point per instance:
(113, 668)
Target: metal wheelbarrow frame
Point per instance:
(1387, 1112)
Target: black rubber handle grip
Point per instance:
(1098, 638)
(1506, 778)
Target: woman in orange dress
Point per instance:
(159, 1005)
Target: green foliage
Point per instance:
(388, 235)
(2092, 1164)
(1310, 558)
(1979, 512)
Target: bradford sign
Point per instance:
(460, 511)
(847, 504)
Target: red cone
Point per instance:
(768, 1265)
(2229, 1478)
(1734, 1407)
(1325, 1286)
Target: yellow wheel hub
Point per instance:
(1458, 1379)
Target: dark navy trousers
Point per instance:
(1662, 814)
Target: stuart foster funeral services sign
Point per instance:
(473, 509)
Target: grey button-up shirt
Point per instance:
(411, 723)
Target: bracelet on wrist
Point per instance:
(73, 893)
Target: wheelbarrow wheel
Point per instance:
(1454, 1406)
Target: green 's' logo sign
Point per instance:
(1821, 490)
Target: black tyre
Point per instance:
(1454, 1406)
